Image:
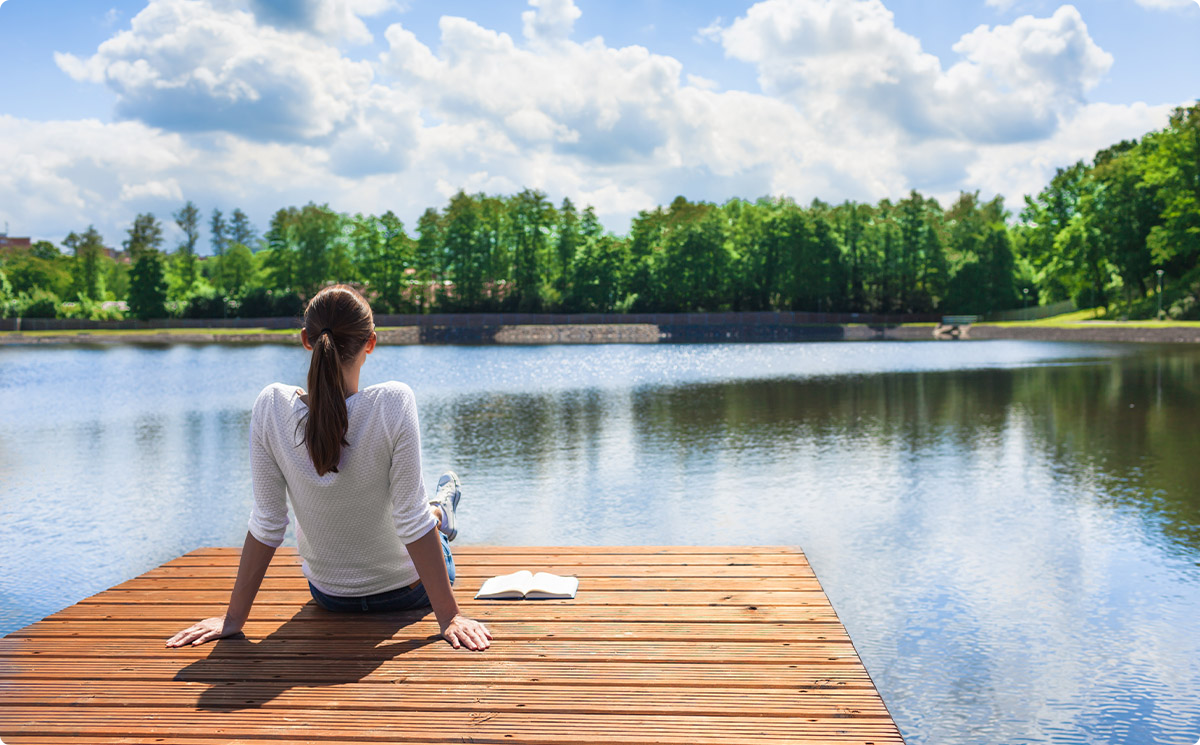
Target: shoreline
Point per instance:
(635, 333)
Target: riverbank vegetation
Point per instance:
(1121, 232)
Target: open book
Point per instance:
(526, 584)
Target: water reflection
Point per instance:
(1010, 531)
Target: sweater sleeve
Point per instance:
(410, 507)
(269, 516)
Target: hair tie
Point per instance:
(326, 330)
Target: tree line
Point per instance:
(1110, 232)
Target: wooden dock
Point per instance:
(662, 645)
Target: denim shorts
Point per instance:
(402, 598)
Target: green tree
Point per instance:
(88, 250)
(566, 245)
(7, 296)
(240, 229)
(465, 251)
(44, 250)
(237, 269)
(1124, 210)
(597, 273)
(188, 220)
(696, 258)
(280, 260)
(532, 219)
(145, 234)
(1043, 218)
(1172, 167)
(218, 231)
(147, 293)
(322, 254)
(383, 255)
(185, 273)
(147, 286)
(430, 237)
(47, 270)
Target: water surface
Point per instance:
(1010, 531)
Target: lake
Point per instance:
(1010, 531)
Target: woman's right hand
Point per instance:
(217, 627)
(464, 632)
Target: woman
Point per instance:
(349, 461)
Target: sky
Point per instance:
(111, 109)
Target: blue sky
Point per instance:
(111, 109)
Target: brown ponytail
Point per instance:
(338, 322)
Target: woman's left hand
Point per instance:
(217, 627)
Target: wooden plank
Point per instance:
(285, 740)
(533, 561)
(431, 648)
(370, 627)
(467, 670)
(614, 584)
(489, 550)
(586, 596)
(487, 611)
(686, 645)
(468, 571)
(501, 726)
(514, 698)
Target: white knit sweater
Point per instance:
(351, 526)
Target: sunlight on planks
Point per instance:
(685, 644)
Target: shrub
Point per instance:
(74, 309)
(260, 302)
(207, 303)
(256, 303)
(109, 310)
(41, 304)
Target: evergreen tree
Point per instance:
(532, 218)
(148, 286)
(88, 250)
(429, 256)
(218, 233)
(240, 229)
(566, 245)
(280, 261)
(465, 251)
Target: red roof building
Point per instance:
(10, 245)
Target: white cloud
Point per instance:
(184, 66)
(847, 62)
(71, 174)
(551, 20)
(230, 107)
(167, 189)
(1026, 167)
(333, 20)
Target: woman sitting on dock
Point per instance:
(368, 538)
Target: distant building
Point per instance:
(10, 245)
(117, 254)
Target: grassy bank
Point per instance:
(1079, 326)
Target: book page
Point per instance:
(545, 585)
(513, 585)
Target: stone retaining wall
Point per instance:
(644, 333)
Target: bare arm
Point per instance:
(256, 556)
(426, 553)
